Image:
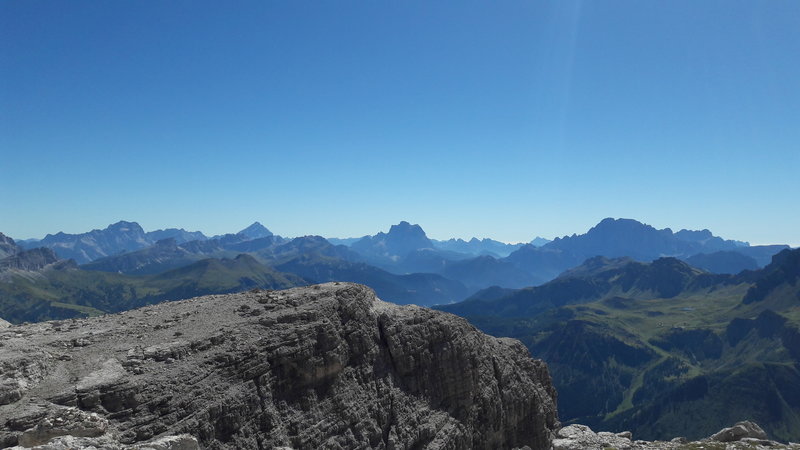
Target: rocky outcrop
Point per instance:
(8, 247)
(34, 259)
(742, 430)
(327, 366)
(743, 435)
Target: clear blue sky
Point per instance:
(505, 119)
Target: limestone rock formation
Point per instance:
(742, 436)
(327, 366)
(34, 259)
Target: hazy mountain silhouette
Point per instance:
(179, 234)
(539, 241)
(477, 247)
(344, 241)
(314, 258)
(731, 262)
(164, 255)
(613, 238)
(401, 240)
(627, 237)
(483, 271)
(84, 247)
(256, 230)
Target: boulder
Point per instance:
(581, 437)
(739, 431)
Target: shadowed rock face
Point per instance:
(8, 247)
(327, 366)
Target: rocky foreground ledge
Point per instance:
(742, 436)
(327, 366)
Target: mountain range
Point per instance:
(57, 289)
(403, 265)
(404, 250)
(122, 237)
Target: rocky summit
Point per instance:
(326, 366)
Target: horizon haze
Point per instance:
(387, 229)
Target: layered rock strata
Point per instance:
(327, 366)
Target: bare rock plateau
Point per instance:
(326, 366)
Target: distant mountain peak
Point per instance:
(256, 230)
(125, 226)
(616, 224)
(401, 240)
(539, 241)
(628, 237)
(405, 227)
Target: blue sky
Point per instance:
(502, 119)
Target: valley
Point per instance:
(661, 348)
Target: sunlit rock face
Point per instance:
(327, 366)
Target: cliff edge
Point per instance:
(326, 366)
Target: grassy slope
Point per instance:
(654, 396)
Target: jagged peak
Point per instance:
(406, 228)
(256, 230)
